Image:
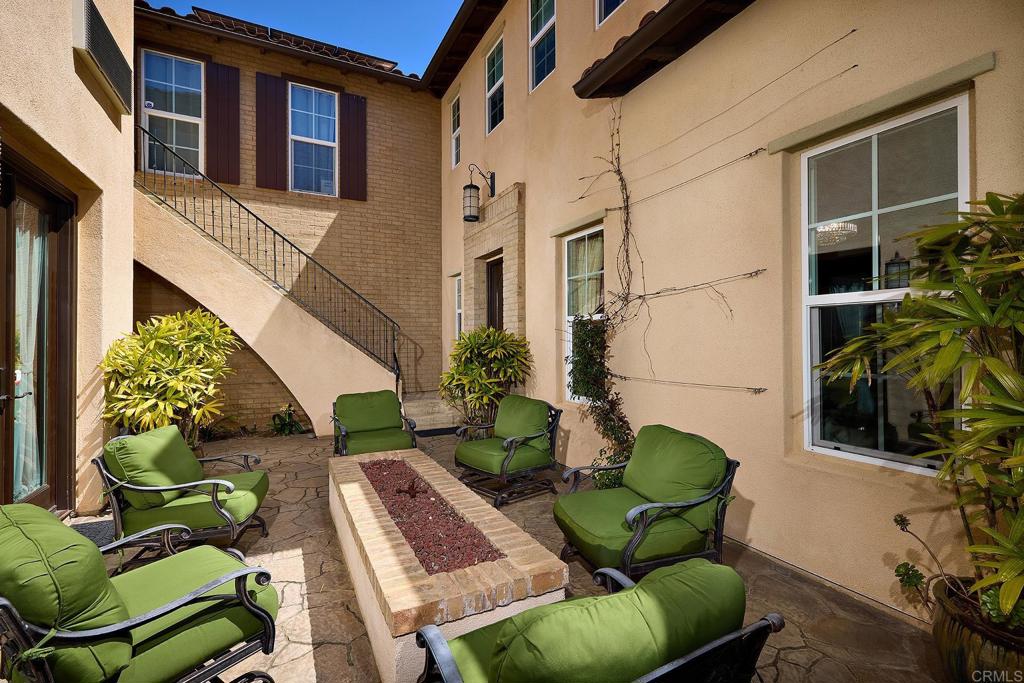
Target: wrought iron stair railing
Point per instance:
(177, 183)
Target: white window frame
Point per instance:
(569, 396)
(459, 320)
(809, 301)
(598, 21)
(201, 120)
(541, 34)
(313, 141)
(456, 146)
(490, 91)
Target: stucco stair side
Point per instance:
(315, 363)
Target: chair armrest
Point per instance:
(164, 530)
(181, 487)
(514, 442)
(338, 424)
(438, 652)
(613, 576)
(462, 431)
(248, 460)
(642, 510)
(574, 473)
(239, 576)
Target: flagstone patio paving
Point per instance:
(829, 635)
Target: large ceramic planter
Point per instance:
(972, 650)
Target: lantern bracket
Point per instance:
(488, 177)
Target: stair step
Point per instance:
(430, 412)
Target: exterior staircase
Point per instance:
(320, 336)
(429, 411)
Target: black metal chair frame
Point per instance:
(642, 517)
(232, 528)
(508, 487)
(18, 635)
(731, 658)
(341, 432)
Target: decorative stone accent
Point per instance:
(501, 231)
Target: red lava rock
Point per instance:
(441, 538)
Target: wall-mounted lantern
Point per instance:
(897, 272)
(471, 194)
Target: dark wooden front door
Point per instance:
(36, 382)
(495, 299)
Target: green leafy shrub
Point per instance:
(283, 423)
(963, 323)
(485, 365)
(168, 372)
(591, 380)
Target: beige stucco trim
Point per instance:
(590, 220)
(935, 84)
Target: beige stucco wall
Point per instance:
(827, 515)
(52, 110)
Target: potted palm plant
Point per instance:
(960, 332)
(485, 365)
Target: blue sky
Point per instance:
(406, 31)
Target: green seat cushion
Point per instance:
(488, 454)
(368, 411)
(472, 652)
(671, 612)
(522, 416)
(668, 465)
(56, 578)
(155, 458)
(179, 641)
(595, 523)
(392, 439)
(195, 510)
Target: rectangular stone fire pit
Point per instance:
(395, 593)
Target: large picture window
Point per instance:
(496, 85)
(313, 139)
(861, 195)
(172, 94)
(542, 40)
(584, 285)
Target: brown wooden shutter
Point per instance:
(352, 147)
(223, 127)
(271, 132)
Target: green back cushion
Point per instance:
(369, 411)
(522, 416)
(156, 458)
(671, 612)
(668, 465)
(55, 578)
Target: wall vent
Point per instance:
(93, 40)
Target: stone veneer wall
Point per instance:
(387, 248)
(253, 392)
(500, 231)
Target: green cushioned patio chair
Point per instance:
(371, 422)
(154, 478)
(506, 465)
(679, 623)
(188, 617)
(671, 505)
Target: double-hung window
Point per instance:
(542, 40)
(172, 93)
(313, 139)
(458, 305)
(456, 132)
(861, 194)
(584, 285)
(605, 9)
(495, 85)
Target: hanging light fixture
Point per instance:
(831, 234)
(471, 194)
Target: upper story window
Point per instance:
(496, 85)
(584, 284)
(862, 193)
(456, 132)
(458, 305)
(605, 8)
(172, 94)
(313, 139)
(542, 40)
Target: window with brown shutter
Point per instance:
(223, 128)
(271, 132)
(352, 147)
